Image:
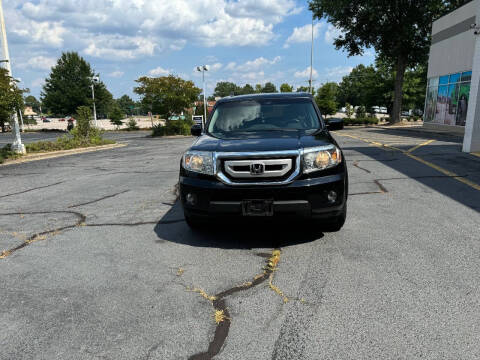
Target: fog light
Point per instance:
(191, 199)
(332, 197)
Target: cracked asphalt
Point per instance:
(96, 261)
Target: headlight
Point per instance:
(316, 159)
(198, 161)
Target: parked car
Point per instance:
(265, 156)
(45, 120)
(335, 122)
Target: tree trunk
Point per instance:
(398, 95)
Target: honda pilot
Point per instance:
(265, 155)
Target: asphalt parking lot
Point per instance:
(98, 262)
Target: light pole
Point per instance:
(17, 145)
(202, 69)
(311, 59)
(95, 80)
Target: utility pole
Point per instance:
(17, 145)
(202, 69)
(311, 60)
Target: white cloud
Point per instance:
(215, 67)
(116, 74)
(39, 63)
(332, 33)
(253, 65)
(129, 29)
(338, 72)
(305, 74)
(159, 71)
(303, 34)
(117, 46)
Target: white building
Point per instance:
(453, 99)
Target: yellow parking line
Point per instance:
(475, 154)
(425, 162)
(419, 146)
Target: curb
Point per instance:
(61, 153)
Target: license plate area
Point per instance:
(257, 207)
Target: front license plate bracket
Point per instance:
(257, 208)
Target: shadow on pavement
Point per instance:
(235, 234)
(441, 155)
(416, 133)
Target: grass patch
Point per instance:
(66, 143)
(6, 153)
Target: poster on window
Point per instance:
(452, 103)
(463, 96)
(441, 104)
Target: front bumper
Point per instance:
(303, 198)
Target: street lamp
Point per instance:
(202, 69)
(95, 80)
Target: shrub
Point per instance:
(361, 112)
(7, 153)
(177, 127)
(132, 125)
(361, 121)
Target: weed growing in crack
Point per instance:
(220, 316)
(203, 294)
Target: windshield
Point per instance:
(265, 115)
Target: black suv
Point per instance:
(267, 155)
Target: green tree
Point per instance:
(224, 89)
(398, 30)
(69, 87)
(285, 88)
(258, 89)
(248, 89)
(32, 102)
(349, 110)
(116, 115)
(305, 89)
(361, 87)
(126, 104)
(167, 95)
(11, 98)
(326, 99)
(269, 88)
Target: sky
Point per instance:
(242, 41)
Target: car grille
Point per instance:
(258, 168)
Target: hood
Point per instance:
(262, 141)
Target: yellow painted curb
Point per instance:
(55, 154)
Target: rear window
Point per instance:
(264, 115)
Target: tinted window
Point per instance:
(264, 115)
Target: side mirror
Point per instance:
(335, 124)
(196, 130)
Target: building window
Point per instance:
(447, 99)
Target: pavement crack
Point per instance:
(33, 189)
(100, 199)
(222, 316)
(361, 168)
(45, 234)
(383, 190)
